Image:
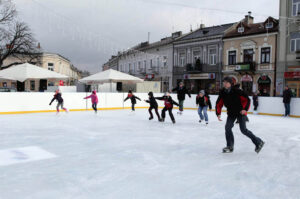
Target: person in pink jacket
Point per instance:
(94, 99)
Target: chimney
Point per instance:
(39, 46)
(248, 18)
(202, 26)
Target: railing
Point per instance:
(193, 67)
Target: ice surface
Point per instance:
(123, 155)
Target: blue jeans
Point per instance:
(287, 109)
(204, 109)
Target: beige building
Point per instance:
(50, 61)
(249, 55)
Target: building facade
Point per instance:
(148, 61)
(198, 59)
(49, 61)
(288, 62)
(249, 55)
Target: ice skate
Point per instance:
(259, 147)
(228, 149)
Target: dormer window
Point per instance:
(241, 29)
(269, 25)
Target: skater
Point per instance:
(237, 103)
(203, 101)
(181, 92)
(60, 101)
(133, 98)
(169, 102)
(287, 95)
(255, 101)
(153, 105)
(94, 99)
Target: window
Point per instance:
(196, 56)
(151, 63)
(248, 55)
(232, 57)
(265, 55)
(32, 85)
(51, 66)
(269, 25)
(145, 64)
(241, 29)
(296, 8)
(182, 59)
(165, 61)
(295, 45)
(140, 65)
(212, 56)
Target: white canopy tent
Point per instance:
(110, 76)
(27, 71)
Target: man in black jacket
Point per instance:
(237, 103)
(287, 95)
(153, 105)
(181, 92)
(133, 98)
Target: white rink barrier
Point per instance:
(17, 103)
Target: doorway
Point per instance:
(20, 86)
(43, 85)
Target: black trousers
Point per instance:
(156, 111)
(163, 113)
(255, 107)
(94, 106)
(242, 122)
(132, 107)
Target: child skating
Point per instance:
(94, 99)
(133, 98)
(237, 103)
(60, 101)
(153, 105)
(169, 102)
(203, 103)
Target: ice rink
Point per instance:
(123, 155)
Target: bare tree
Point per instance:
(16, 38)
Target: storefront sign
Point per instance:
(150, 76)
(291, 75)
(242, 67)
(246, 78)
(200, 76)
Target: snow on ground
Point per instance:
(119, 154)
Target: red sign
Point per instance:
(61, 82)
(150, 76)
(292, 75)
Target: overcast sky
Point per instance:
(88, 32)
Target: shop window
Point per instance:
(264, 85)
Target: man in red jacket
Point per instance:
(237, 103)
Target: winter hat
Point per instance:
(94, 92)
(130, 91)
(202, 92)
(150, 94)
(228, 79)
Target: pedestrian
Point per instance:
(181, 92)
(237, 103)
(169, 102)
(60, 101)
(94, 99)
(287, 95)
(133, 98)
(153, 105)
(255, 101)
(203, 103)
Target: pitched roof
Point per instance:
(252, 29)
(207, 32)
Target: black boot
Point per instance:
(228, 149)
(150, 118)
(173, 121)
(162, 120)
(259, 147)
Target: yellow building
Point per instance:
(50, 61)
(249, 54)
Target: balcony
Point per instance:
(193, 68)
(153, 70)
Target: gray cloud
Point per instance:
(88, 32)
